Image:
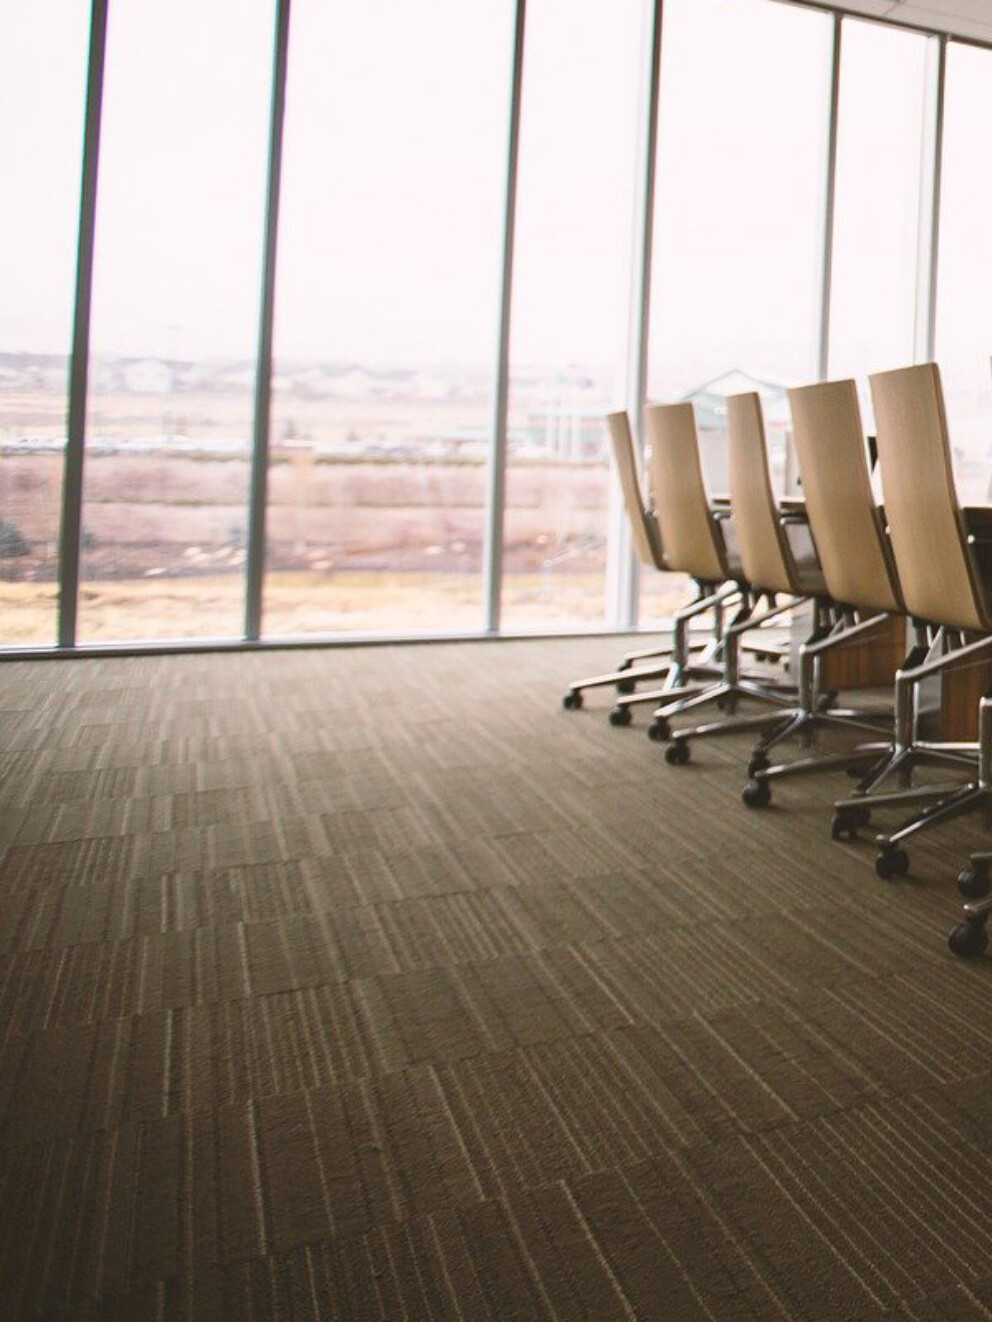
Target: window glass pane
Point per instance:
(43, 54)
(175, 315)
(964, 282)
(877, 207)
(738, 221)
(578, 160)
(386, 315)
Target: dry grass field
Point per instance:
(374, 543)
(312, 604)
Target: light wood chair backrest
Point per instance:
(693, 544)
(647, 538)
(921, 505)
(765, 554)
(845, 521)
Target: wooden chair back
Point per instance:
(765, 553)
(647, 537)
(693, 543)
(847, 526)
(935, 569)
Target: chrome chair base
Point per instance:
(677, 654)
(936, 803)
(815, 713)
(728, 691)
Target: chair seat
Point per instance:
(808, 574)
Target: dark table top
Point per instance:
(977, 518)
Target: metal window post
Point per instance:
(70, 531)
(255, 567)
(928, 243)
(622, 569)
(830, 194)
(492, 553)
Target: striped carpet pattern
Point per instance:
(370, 984)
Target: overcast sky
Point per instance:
(394, 174)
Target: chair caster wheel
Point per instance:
(840, 829)
(626, 686)
(757, 794)
(659, 730)
(848, 821)
(973, 882)
(759, 762)
(969, 939)
(572, 700)
(620, 716)
(677, 753)
(890, 861)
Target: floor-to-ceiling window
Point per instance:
(882, 202)
(964, 282)
(43, 48)
(387, 330)
(386, 315)
(578, 161)
(738, 236)
(175, 318)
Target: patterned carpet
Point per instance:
(371, 984)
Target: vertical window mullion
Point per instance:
(492, 557)
(829, 200)
(929, 240)
(623, 575)
(255, 564)
(70, 534)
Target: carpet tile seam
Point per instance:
(936, 1191)
(857, 1110)
(876, 1017)
(826, 1239)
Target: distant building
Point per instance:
(710, 399)
(710, 403)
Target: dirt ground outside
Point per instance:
(308, 604)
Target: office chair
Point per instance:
(858, 571)
(769, 567)
(713, 593)
(695, 545)
(693, 539)
(941, 588)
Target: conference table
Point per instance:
(948, 705)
